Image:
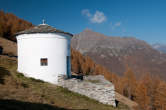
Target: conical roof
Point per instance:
(43, 28)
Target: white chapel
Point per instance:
(44, 53)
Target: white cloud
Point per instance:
(97, 17)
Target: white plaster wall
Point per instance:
(33, 47)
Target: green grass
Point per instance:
(40, 95)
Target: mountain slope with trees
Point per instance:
(118, 53)
(10, 24)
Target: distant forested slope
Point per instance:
(10, 24)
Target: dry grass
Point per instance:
(126, 101)
(9, 47)
(19, 92)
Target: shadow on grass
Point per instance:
(19, 105)
(3, 72)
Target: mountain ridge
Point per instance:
(118, 53)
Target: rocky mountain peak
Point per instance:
(93, 41)
(118, 53)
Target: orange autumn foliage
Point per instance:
(10, 24)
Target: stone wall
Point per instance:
(95, 87)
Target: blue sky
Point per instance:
(143, 19)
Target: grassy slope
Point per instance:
(18, 92)
(9, 47)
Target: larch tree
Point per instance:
(141, 96)
(130, 84)
(160, 102)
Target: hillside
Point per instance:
(76, 57)
(9, 47)
(117, 54)
(31, 94)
